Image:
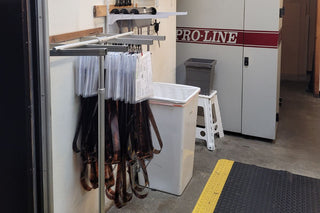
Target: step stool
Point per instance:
(212, 122)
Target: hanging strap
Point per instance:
(76, 136)
(138, 190)
(114, 125)
(121, 194)
(129, 150)
(83, 179)
(79, 126)
(94, 174)
(155, 128)
(109, 181)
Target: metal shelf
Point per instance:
(112, 18)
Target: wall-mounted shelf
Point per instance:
(112, 18)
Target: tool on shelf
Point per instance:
(156, 26)
(134, 10)
(123, 3)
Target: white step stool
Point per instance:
(212, 126)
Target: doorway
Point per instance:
(298, 41)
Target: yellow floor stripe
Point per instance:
(212, 191)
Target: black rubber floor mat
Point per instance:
(254, 189)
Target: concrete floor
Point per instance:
(297, 150)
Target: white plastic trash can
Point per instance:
(174, 107)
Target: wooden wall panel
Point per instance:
(312, 33)
(295, 33)
(74, 35)
(290, 41)
(100, 10)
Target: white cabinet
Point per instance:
(259, 95)
(262, 15)
(230, 31)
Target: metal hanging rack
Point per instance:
(94, 46)
(127, 39)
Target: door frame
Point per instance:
(43, 58)
(317, 55)
(21, 144)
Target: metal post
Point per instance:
(101, 133)
(46, 130)
(148, 32)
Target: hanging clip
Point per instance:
(156, 26)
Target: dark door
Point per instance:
(19, 141)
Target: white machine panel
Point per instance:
(262, 15)
(227, 77)
(228, 31)
(227, 14)
(260, 93)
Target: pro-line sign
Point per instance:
(247, 38)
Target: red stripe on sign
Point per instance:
(264, 39)
(248, 38)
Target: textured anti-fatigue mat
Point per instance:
(242, 188)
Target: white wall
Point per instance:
(68, 16)
(72, 15)
(164, 58)
(68, 195)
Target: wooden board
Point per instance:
(291, 41)
(295, 31)
(100, 10)
(74, 35)
(317, 54)
(312, 33)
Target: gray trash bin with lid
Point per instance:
(199, 73)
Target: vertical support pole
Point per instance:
(317, 54)
(107, 26)
(148, 32)
(45, 87)
(101, 133)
